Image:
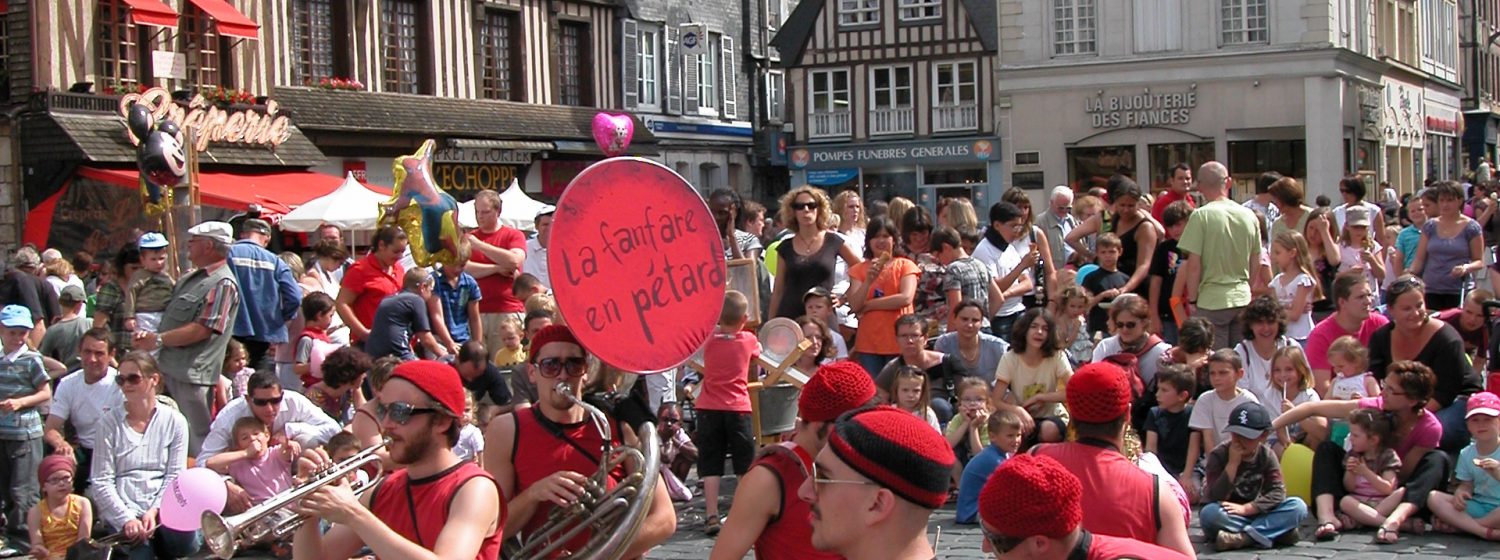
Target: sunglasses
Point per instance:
(1001, 543)
(551, 367)
(400, 412)
(266, 402)
(1126, 324)
(124, 380)
(819, 479)
(804, 206)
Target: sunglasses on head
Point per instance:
(266, 402)
(124, 380)
(550, 368)
(400, 412)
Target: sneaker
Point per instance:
(1231, 541)
(711, 526)
(1288, 538)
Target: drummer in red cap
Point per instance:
(1032, 508)
(767, 513)
(1119, 499)
(435, 502)
(543, 455)
(875, 485)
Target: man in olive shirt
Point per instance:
(196, 327)
(1222, 241)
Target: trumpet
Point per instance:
(273, 519)
(613, 516)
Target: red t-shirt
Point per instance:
(496, 289)
(726, 373)
(370, 284)
(1324, 333)
(1166, 199)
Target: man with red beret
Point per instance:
(1032, 508)
(436, 502)
(875, 485)
(543, 455)
(767, 513)
(1119, 499)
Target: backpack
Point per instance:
(1142, 394)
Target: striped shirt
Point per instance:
(132, 469)
(218, 306)
(21, 374)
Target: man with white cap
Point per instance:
(536, 247)
(196, 327)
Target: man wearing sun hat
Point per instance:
(767, 513)
(1119, 498)
(875, 485)
(435, 500)
(1032, 508)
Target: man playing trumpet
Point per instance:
(435, 506)
(542, 457)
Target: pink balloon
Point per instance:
(193, 492)
(613, 133)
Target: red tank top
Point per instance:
(1115, 491)
(789, 534)
(543, 447)
(1101, 547)
(418, 509)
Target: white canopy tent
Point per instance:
(352, 207)
(517, 210)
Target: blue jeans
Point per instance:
(18, 475)
(1263, 528)
(943, 409)
(873, 363)
(1001, 326)
(166, 543)
(1168, 330)
(1455, 429)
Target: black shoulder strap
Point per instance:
(557, 432)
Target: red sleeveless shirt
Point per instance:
(543, 447)
(418, 509)
(1119, 499)
(789, 534)
(1100, 547)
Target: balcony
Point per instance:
(832, 124)
(955, 118)
(892, 120)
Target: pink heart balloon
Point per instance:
(613, 133)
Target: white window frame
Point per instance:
(831, 93)
(648, 77)
(951, 68)
(909, 11)
(708, 77)
(858, 12)
(1236, 25)
(775, 96)
(893, 89)
(1079, 20)
(775, 14)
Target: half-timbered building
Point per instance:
(893, 97)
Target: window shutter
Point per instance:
(690, 82)
(630, 64)
(673, 66)
(731, 71)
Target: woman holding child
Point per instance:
(1414, 335)
(1138, 232)
(136, 457)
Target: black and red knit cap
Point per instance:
(1032, 495)
(897, 450)
(548, 335)
(1098, 393)
(836, 388)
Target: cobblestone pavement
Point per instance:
(964, 541)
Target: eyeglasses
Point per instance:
(804, 206)
(911, 336)
(1126, 324)
(551, 367)
(124, 380)
(400, 412)
(1001, 543)
(819, 480)
(266, 402)
(1387, 389)
(64, 479)
(975, 400)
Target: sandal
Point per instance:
(1414, 526)
(711, 526)
(1326, 531)
(1387, 536)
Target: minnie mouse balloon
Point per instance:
(613, 133)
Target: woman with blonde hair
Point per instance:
(806, 259)
(897, 208)
(959, 214)
(850, 210)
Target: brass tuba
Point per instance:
(613, 517)
(273, 519)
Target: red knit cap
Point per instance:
(439, 380)
(836, 388)
(1031, 495)
(897, 450)
(1098, 393)
(549, 335)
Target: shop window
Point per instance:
(1030, 180)
(1243, 22)
(891, 100)
(208, 63)
(119, 46)
(886, 184)
(920, 10)
(318, 35)
(859, 12)
(405, 61)
(499, 48)
(1092, 167)
(1164, 156)
(573, 64)
(1073, 27)
(1248, 159)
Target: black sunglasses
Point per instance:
(804, 206)
(1001, 543)
(266, 402)
(124, 380)
(400, 412)
(551, 367)
(1126, 324)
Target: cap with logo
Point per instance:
(1249, 420)
(16, 316)
(1485, 403)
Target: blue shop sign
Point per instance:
(831, 177)
(668, 127)
(840, 156)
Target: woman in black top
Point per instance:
(806, 259)
(1414, 335)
